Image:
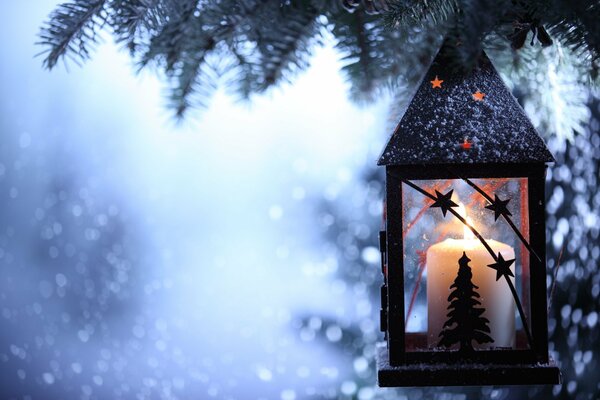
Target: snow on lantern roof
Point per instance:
(459, 118)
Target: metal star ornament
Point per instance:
(436, 83)
(478, 96)
(502, 267)
(466, 145)
(499, 207)
(444, 201)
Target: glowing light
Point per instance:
(462, 211)
(478, 96)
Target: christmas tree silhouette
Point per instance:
(468, 323)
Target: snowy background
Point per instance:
(142, 258)
(231, 256)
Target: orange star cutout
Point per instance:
(478, 96)
(466, 145)
(436, 83)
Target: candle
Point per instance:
(495, 296)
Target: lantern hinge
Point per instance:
(383, 310)
(382, 235)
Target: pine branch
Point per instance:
(385, 44)
(182, 47)
(176, 35)
(474, 22)
(237, 21)
(355, 40)
(286, 43)
(193, 77)
(549, 84)
(379, 58)
(136, 19)
(575, 23)
(247, 75)
(71, 28)
(191, 35)
(418, 12)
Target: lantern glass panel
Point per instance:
(449, 297)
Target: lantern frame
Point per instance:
(464, 125)
(399, 367)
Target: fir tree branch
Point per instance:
(71, 28)
(417, 12)
(355, 41)
(576, 24)
(134, 20)
(247, 77)
(373, 53)
(286, 43)
(193, 77)
(384, 43)
(176, 35)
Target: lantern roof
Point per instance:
(464, 118)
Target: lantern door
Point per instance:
(466, 266)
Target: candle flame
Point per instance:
(468, 234)
(462, 211)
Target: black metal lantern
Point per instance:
(463, 253)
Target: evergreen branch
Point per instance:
(573, 23)
(192, 77)
(175, 36)
(237, 21)
(369, 6)
(577, 26)
(417, 12)
(135, 19)
(552, 84)
(373, 53)
(475, 21)
(286, 43)
(229, 23)
(71, 28)
(385, 44)
(355, 41)
(247, 77)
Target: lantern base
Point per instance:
(465, 374)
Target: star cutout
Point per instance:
(478, 96)
(466, 145)
(444, 201)
(499, 207)
(436, 83)
(502, 267)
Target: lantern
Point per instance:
(463, 251)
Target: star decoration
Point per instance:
(478, 96)
(499, 207)
(466, 145)
(436, 83)
(444, 201)
(502, 267)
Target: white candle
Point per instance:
(496, 297)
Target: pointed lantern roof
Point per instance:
(464, 119)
